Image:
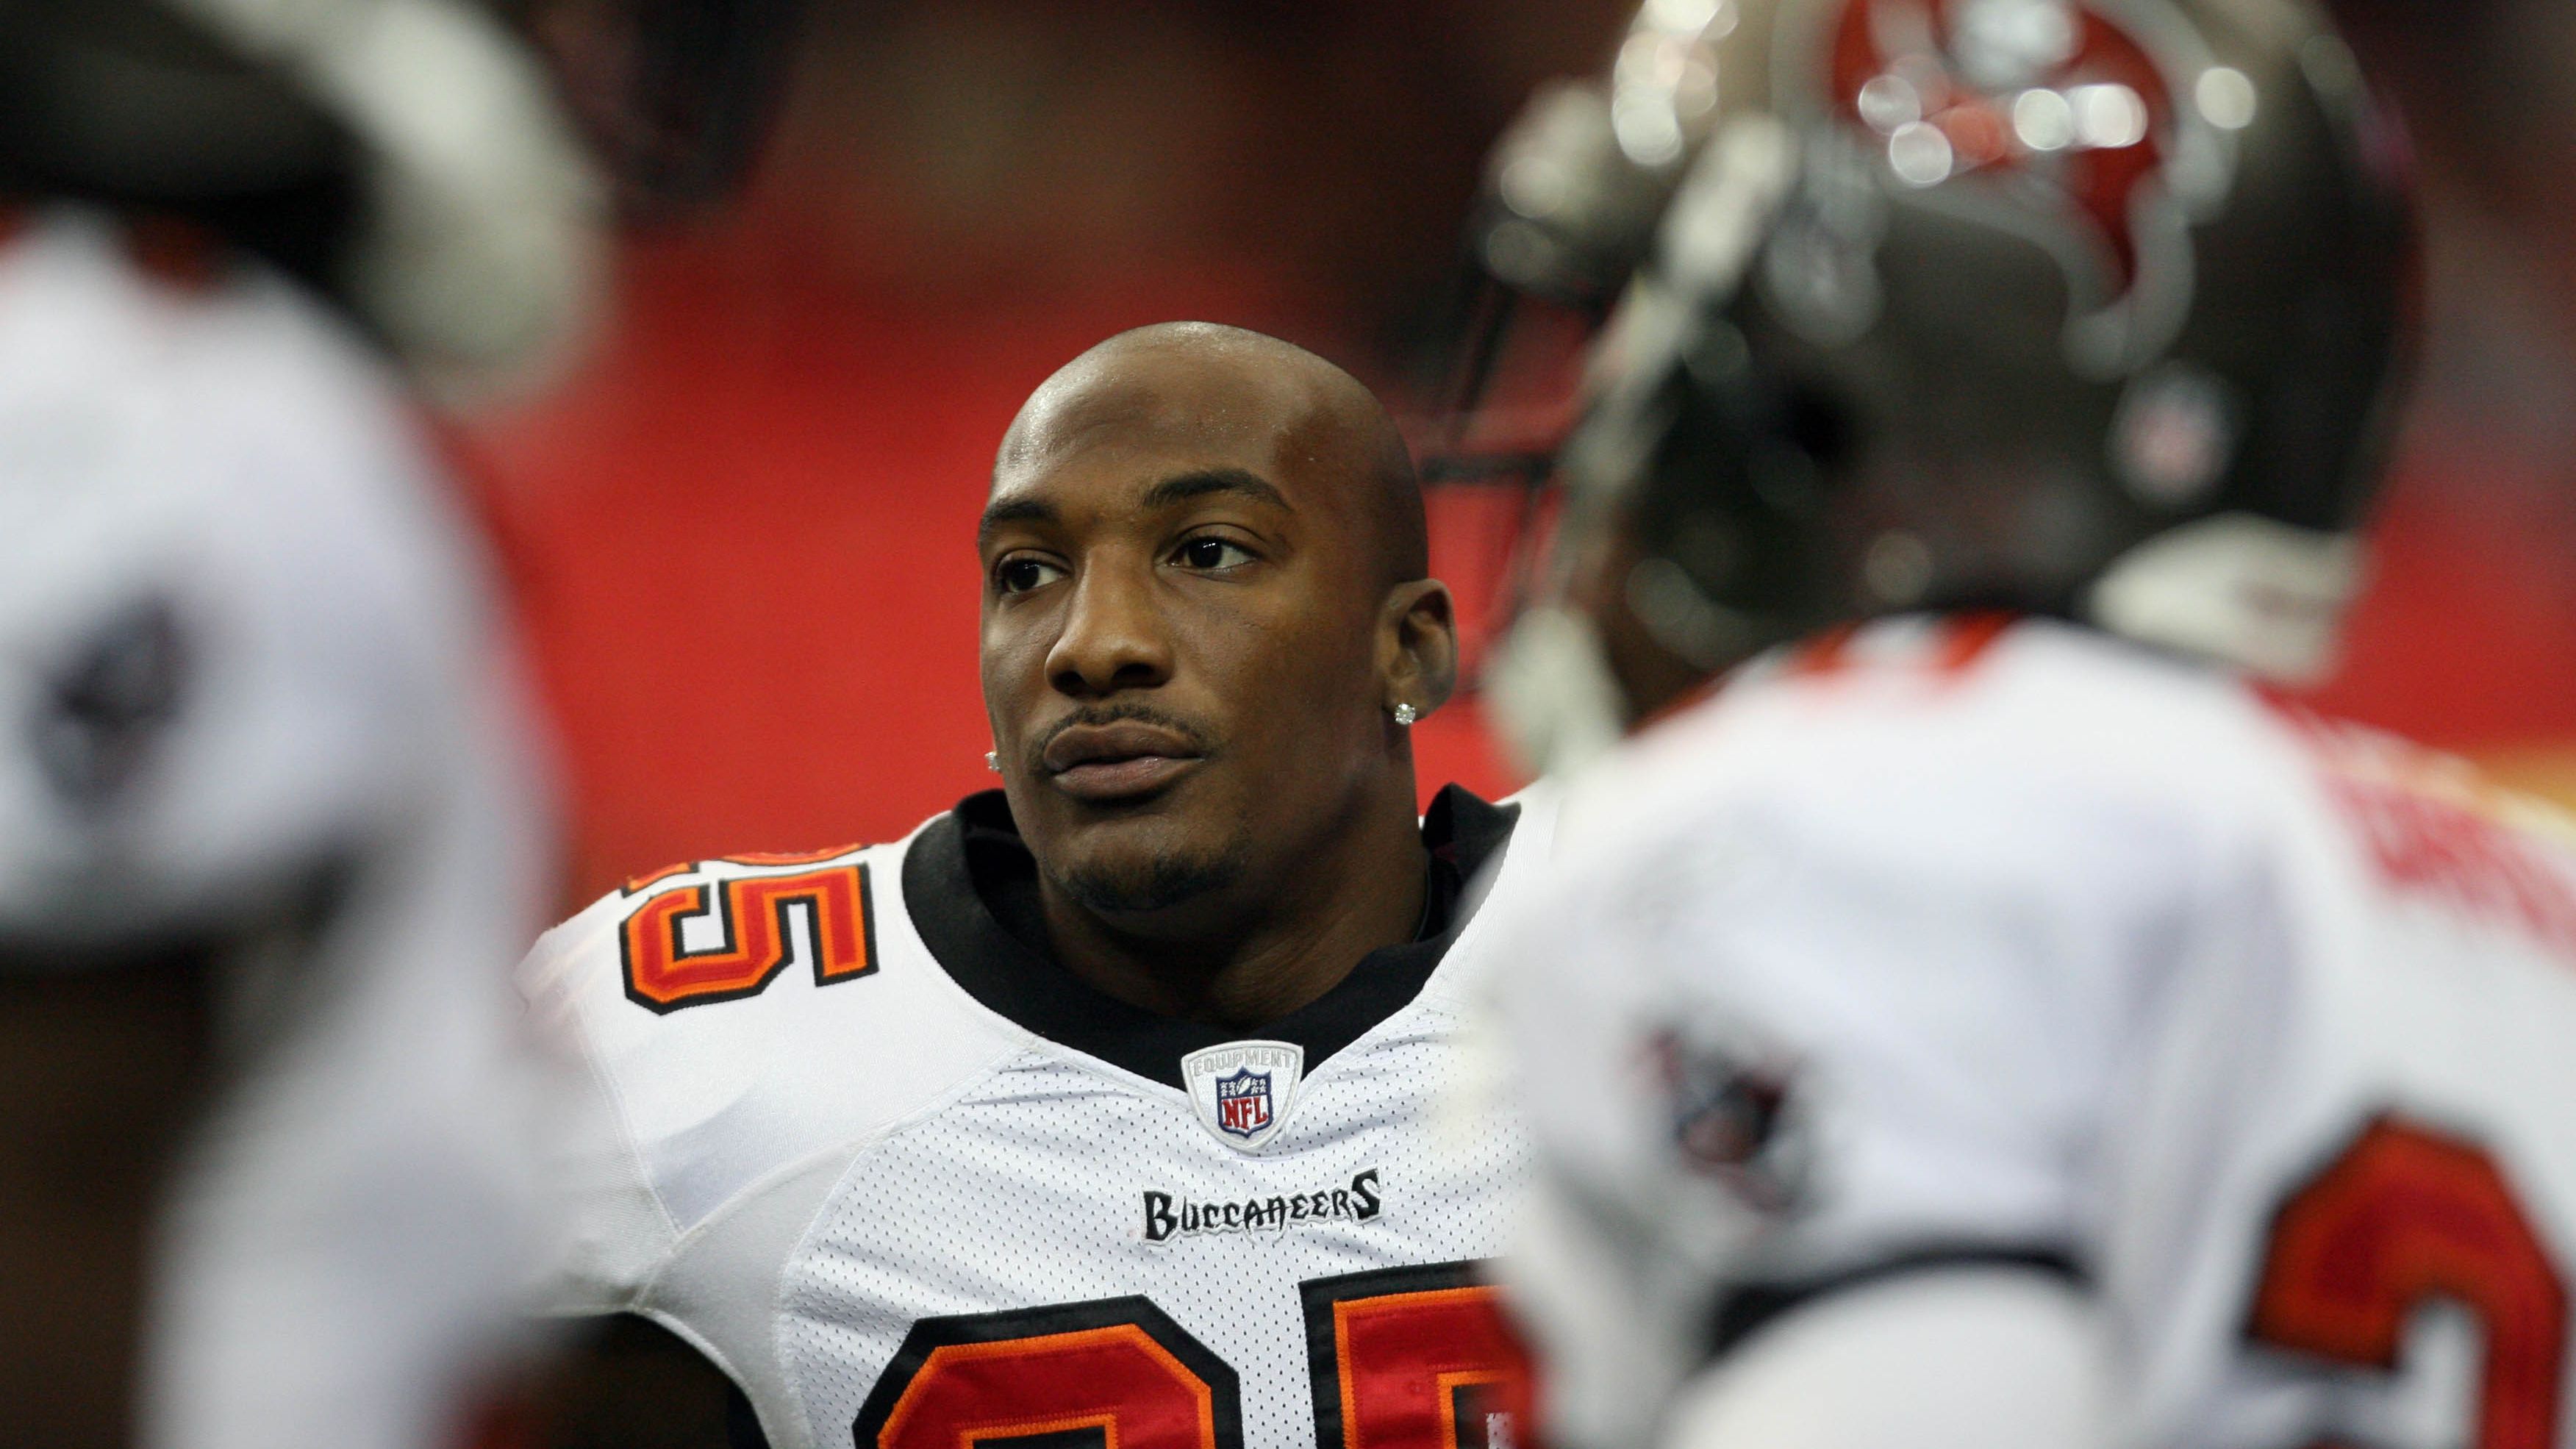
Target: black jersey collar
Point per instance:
(970, 886)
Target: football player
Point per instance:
(1091, 1113)
(1995, 1016)
(270, 830)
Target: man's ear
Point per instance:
(1418, 645)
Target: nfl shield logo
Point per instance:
(1244, 1091)
(1243, 1102)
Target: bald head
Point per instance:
(1207, 625)
(1232, 390)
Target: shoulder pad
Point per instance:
(743, 1014)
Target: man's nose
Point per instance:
(1113, 636)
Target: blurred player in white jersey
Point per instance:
(271, 822)
(263, 764)
(1992, 1016)
(1093, 1113)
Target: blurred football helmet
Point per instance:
(443, 167)
(2087, 307)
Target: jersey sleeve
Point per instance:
(1853, 1013)
(612, 1236)
(720, 1028)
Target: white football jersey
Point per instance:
(910, 1184)
(1965, 942)
(252, 687)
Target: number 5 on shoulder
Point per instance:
(754, 916)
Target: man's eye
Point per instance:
(1019, 575)
(1213, 553)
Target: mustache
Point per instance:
(1199, 740)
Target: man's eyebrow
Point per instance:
(1012, 510)
(1182, 487)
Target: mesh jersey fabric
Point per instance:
(821, 1181)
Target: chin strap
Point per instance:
(483, 255)
(2264, 596)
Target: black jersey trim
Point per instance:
(742, 1425)
(1748, 1310)
(971, 889)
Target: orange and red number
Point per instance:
(755, 918)
(2403, 1216)
(1112, 1374)
(1413, 1358)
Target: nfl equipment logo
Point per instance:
(1243, 1102)
(1244, 1091)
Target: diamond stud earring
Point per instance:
(993, 761)
(1406, 714)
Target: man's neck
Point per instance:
(1258, 950)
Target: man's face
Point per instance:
(1179, 632)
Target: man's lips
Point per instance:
(1114, 761)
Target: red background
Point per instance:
(741, 537)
